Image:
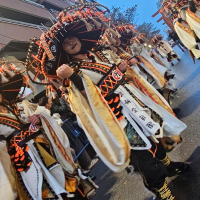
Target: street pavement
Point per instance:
(122, 186)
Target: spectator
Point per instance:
(172, 35)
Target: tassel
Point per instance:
(111, 40)
(11, 74)
(105, 26)
(96, 23)
(3, 79)
(113, 49)
(88, 26)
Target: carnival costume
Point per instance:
(40, 154)
(164, 49)
(97, 120)
(140, 116)
(187, 36)
(133, 46)
(159, 59)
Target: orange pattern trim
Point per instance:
(187, 30)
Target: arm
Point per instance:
(66, 71)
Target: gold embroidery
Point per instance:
(189, 31)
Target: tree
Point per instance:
(118, 14)
(149, 29)
(129, 15)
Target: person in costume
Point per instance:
(124, 49)
(187, 36)
(173, 36)
(184, 23)
(143, 120)
(164, 49)
(159, 59)
(39, 155)
(191, 14)
(133, 47)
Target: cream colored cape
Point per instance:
(187, 39)
(58, 139)
(8, 188)
(100, 125)
(194, 21)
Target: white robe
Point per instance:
(171, 126)
(33, 178)
(194, 24)
(8, 188)
(186, 38)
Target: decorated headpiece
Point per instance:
(156, 39)
(140, 38)
(126, 31)
(172, 6)
(11, 81)
(85, 21)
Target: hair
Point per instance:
(192, 6)
(66, 58)
(43, 101)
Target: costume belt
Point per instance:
(20, 137)
(18, 149)
(111, 81)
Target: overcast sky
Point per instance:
(145, 9)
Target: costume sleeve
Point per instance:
(76, 79)
(123, 54)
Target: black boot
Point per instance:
(164, 193)
(177, 168)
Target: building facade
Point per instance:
(21, 19)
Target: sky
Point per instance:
(145, 9)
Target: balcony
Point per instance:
(25, 7)
(21, 16)
(33, 3)
(58, 5)
(20, 23)
(17, 30)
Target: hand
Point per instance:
(64, 71)
(62, 89)
(1, 99)
(122, 66)
(34, 119)
(133, 61)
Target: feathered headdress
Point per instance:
(85, 21)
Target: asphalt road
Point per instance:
(186, 187)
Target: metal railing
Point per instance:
(73, 134)
(33, 3)
(20, 23)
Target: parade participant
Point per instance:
(192, 16)
(109, 56)
(128, 110)
(144, 121)
(159, 59)
(187, 36)
(41, 158)
(123, 49)
(173, 35)
(164, 49)
(133, 47)
(94, 116)
(155, 73)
